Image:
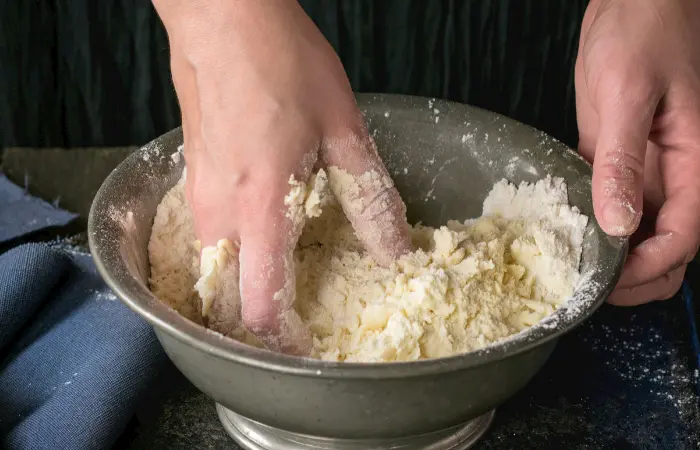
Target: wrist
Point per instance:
(187, 16)
(198, 27)
(183, 18)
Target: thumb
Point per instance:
(625, 111)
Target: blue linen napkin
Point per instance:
(20, 213)
(74, 361)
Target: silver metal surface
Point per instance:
(444, 158)
(256, 436)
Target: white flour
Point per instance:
(466, 285)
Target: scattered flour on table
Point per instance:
(466, 285)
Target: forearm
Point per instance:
(198, 28)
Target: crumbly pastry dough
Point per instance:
(466, 285)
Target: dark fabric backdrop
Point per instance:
(95, 73)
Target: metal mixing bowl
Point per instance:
(444, 158)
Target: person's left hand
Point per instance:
(638, 110)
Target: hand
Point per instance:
(263, 97)
(638, 108)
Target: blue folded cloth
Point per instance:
(20, 213)
(74, 361)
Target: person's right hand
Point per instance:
(638, 111)
(263, 97)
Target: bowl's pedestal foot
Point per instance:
(255, 436)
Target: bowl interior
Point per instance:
(444, 158)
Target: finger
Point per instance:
(367, 194)
(268, 288)
(269, 235)
(674, 244)
(626, 107)
(661, 288)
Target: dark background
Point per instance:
(86, 73)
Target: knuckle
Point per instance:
(670, 292)
(674, 280)
(622, 165)
(635, 84)
(623, 85)
(690, 254)
(380, 203)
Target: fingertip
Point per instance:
(619, 218)
(617, 195)
(280, 330)
(297, 337)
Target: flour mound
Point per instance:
(465, 286)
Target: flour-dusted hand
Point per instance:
(264, 98)
(638, 107)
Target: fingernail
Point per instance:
(620, 218)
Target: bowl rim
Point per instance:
(164, 319)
